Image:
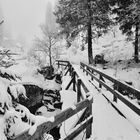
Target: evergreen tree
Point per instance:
(128, 17)
(83, 15)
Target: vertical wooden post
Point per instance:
(89, 127)
(114, 96)
(70, 70)
(74, 81)
(100, 85)
(78, 90)
(91, 76)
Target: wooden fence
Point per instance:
(101, 78)
(84, 102)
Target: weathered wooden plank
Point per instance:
(66, 72)
(62, 61)
(84, 87)
(78, 90)
(89, 127)
(71, 81)
(74, 81)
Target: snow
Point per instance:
(107, 123)
(17, 126)
(131, 116)
(113, 48)
(16, 90)
(48, 136)
(69, 98)
(2, 128)
(51, 84)
(47, 114)
(38, 120)
(130, 74)
(5, 98)
(11, 119)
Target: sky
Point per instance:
(23, 17)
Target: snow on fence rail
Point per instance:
(78, 85)
(84, 102)
(116, 94)
(64, 115)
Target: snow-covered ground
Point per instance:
(116, 50)
(108, 124)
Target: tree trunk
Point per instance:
(50, 61)
(50, 53)
(90, 55)
(136, 51)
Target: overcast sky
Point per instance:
(23, 17)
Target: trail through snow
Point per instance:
(108, 124)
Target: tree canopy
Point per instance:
(128, 17)
(83, 15)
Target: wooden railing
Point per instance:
(78, 85)
(101, 78)
(84, 102)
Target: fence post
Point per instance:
(89, 127)
(100, 85)
(74, 80)
(70, 69)
(114, 96)
(92, 76)
(78, 90)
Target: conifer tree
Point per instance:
(75, 16)
(128, 17)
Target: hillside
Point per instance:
(117, 51)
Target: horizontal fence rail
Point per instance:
(117, 95)
(46, 127)
(78, 85)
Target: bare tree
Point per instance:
(47, 44)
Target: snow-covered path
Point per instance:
(108, 124)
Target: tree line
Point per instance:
(96, 17)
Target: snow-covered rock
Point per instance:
(17, 90)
